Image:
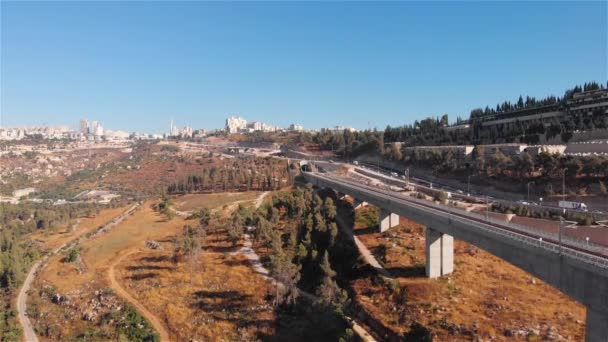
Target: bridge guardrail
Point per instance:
(598, 261)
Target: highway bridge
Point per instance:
(578, 271)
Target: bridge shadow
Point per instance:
(365, 231)
(407, 271)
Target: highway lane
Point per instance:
(437, 185)
(580, 252)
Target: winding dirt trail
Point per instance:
(114, 284)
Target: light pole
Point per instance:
(529, 190)
(469, 184)
(564, 185)
(561, 224)
(487, 209)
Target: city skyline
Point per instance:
(372, 66)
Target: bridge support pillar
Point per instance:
(357, 204)
(439, 253)
(597, 326)
(387, 220)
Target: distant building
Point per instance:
(551, 149)
(173, 132)
(84, 126)
(186, 132)
(508, 150)
(341, 129)
(593, 147)
(296, 127)
(96, 129)
(23, 192)
(235, 124)
(256, 125)
(460, 152)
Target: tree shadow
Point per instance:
(143, 276)
(221, 249)
(233, 262)
(220, 304)
(148, 267)
(159, 258)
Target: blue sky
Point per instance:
(136, 65)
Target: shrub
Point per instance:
(441, 196)
(72, 255)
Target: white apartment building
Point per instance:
(186, 132)
(296, 127)
(235, 124)
(84, 126)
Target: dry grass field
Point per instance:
(52, 240)
(484, 297)
(212, 200)
(87, 299)
(219, 297)
(216, 296)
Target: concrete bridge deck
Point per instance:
(579, 273)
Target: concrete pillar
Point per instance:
(387, 220)
(439, 253)
(358, 204)
(597, 326)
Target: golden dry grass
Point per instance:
(217, 297)
(484, 292)
(86, 224)
(212, 200)
(225, 299)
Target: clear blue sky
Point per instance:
(135, 66)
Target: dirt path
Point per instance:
(28, 330)
(248, 251)
(114, 284)
(29, 335)
(363, 250)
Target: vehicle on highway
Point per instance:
(355, 163)
(572, 205)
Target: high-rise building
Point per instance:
(296, 127)
(96, 129)
(173, 131)
(84, 126)
(234, 124)
(186, 132)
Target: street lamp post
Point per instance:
(469, 184)
(487, 209)
(561, 224)
(564, 185)
(529, 190)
